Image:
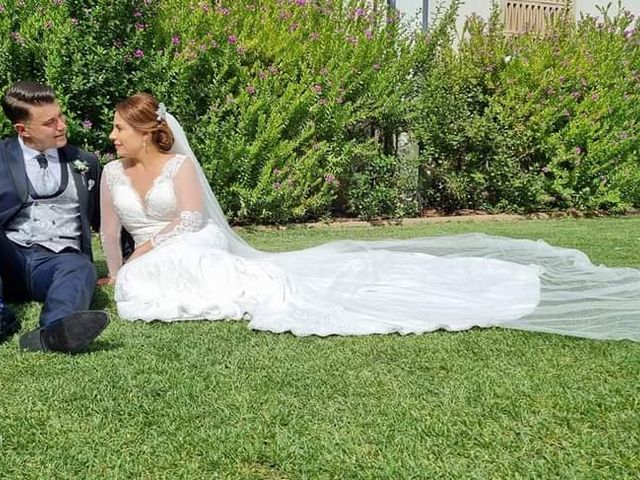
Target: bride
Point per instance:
(189, 264)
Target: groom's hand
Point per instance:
(106, 281)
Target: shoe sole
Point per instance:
(81, 328)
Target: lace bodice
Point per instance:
(170, 207)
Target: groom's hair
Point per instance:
(142, 112)
(22, 95)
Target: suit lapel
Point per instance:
(68, 157)
(17, 168)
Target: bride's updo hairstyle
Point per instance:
(146, 115)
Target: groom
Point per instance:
(48, 204)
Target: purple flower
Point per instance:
(294, 27)
(577, 150)
(223, 11)
(329, 178)
(241, 50)
(16, 37)
(232, 39)
(262, 75)
(368, 34)
(137, 13)
(317, 88)
(302, 3)
(139, 26)
(175, 40)
(251, 90)
(138, 53)
(87, 124)
(358, 12)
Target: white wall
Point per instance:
(411, 8)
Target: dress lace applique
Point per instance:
(189, 222)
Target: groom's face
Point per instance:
(45, 128)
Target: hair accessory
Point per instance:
(161, 112)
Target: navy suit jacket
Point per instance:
(14, 187)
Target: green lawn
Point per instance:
(216, 400)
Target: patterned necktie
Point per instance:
(45, 183)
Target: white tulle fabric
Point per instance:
(203, 270)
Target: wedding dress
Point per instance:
(200, 269)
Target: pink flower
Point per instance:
(87, 124)
(302, 3)
(358, 12)
(241, 50)
(232, 39)
(578, 150)
(138, 53)
(251, 90)
(16, 37)
(262, 75)
(175, 40)
(139, 26)
(317, 88)
(368, 34)
(137, 13)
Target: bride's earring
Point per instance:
(144, 142)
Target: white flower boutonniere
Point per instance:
(80, 166)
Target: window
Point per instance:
(533, 15)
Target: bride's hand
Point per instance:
(106, 281)
(141, 250)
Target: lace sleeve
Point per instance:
(189, 198)
(110, 228)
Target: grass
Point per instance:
(216, 400)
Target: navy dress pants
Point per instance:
(64, 281)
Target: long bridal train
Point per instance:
(200, 268)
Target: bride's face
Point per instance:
(128, 142)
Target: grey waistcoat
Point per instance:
(52, 222)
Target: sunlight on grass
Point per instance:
(216, 400)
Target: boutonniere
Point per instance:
(80, 166)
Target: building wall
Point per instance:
(413, 8)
